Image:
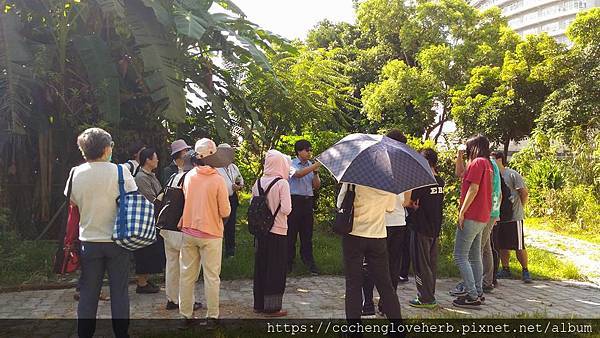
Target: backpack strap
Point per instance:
(270, 185)
(70, 187)
(137, 170)
(264, 193)
(180, 183)
(130, 165)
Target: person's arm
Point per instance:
(469, 198)
(524, 195)
(316, 181)
(223, 199)
(299, 173)
(407, 199)
(459, 165)
(239, 175)
(341, 195)
(284, 197)
(391, 203)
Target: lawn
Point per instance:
(29, 262)
(328, 254)
(562, 227)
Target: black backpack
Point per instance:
(344, 216)
(506, 206)
(171, 208)
(260, 218)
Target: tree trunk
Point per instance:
(45, 154)
(505, 150)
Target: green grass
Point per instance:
(562, 227)
(25, 262)
(30, 262)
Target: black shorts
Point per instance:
(509, 235)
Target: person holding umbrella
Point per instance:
(378, 168)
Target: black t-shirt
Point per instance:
(427, 219)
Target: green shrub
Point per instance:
(571, 204)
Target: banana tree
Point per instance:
(140, 68)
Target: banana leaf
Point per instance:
(102, 75)
(162, 74)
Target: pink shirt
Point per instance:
(277, 165)
(206, 203)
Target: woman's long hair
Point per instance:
(478, 146)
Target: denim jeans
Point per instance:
(467, 255)
(96, 258)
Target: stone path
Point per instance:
(585, 255)
(323, 297)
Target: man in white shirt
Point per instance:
(235, 182)
(134, 150)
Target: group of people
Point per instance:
(387, 229)
(489, 225)
(210, 181)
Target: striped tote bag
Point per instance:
(134, 227)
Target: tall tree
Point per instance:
(504, 102)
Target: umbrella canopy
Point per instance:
(378, 162)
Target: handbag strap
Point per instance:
(122, 213)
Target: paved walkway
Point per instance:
(323, 297)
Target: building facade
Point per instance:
(537, 16)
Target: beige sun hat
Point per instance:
(214, 156)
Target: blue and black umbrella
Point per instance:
(378, 162)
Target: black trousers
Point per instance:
(424, 252)
(229, 226)
(374, 251)
(301, 222)
(404, 248)
(396, 246)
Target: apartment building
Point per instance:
(537, 16)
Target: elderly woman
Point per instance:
(95, 189)
(270, 261)
(150, 259)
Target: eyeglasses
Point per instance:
(308, 149)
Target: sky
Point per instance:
(294, 18)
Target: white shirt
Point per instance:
(95, 191)
(370, 206)
(231, 174)
(398, 216)
(135, 166)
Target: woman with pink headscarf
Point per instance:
(270, 261)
